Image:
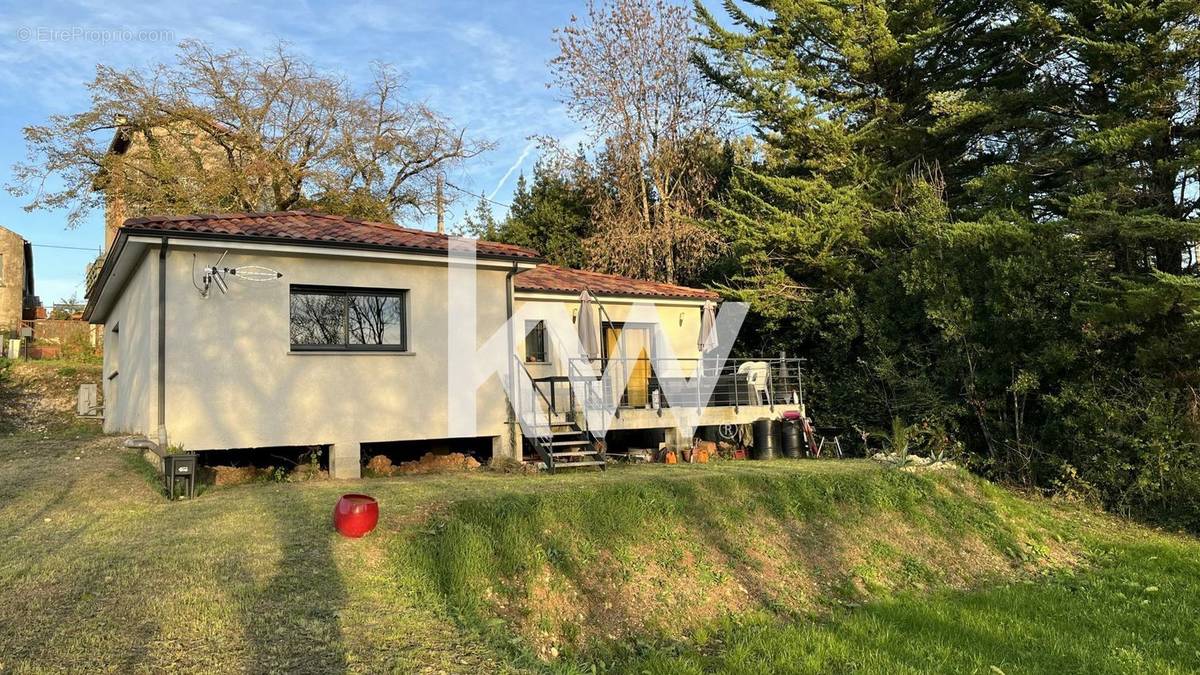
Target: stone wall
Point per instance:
(115, 214)
(12, 279)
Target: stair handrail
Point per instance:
(572, 378)
(538, 441)
(576, 375)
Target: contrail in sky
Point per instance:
(516, 165)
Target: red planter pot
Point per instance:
(355, 515)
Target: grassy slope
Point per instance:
(36, 397)
(654, 555)
(1132, 611)
(692, 568)
(817, 568)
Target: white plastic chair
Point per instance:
(757, 373)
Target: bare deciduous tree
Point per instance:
(226, 131)
(626, 72)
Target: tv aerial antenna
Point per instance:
(218, 276)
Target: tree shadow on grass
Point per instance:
(511, 537)
(48, 504)
(1028, 629)
(711, 528)
(505, 540)
(292, 623)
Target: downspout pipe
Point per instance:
(513, 437)
(162, 344)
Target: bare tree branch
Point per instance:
(626, 72)
(227, 131)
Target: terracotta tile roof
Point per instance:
(310, 227)
(551, 278)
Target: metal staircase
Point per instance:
(556, 440)
(566, 447)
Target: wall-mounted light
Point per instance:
(681, 315)
(574, 315)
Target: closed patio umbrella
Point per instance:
(708, 327)
(585, 325)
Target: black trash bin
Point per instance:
(793, 440)
(766, 439)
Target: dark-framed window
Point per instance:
(535, 342)
(335, 318)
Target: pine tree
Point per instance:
(553, 213)
(855, 90)
(985, 215)
(481, 223)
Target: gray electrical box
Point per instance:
(180, 467)
(88, 403)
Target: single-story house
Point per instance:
(264, 330)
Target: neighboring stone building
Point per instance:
(115, 208)
(17, 300)
(131, 163)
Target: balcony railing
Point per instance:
(633, 383)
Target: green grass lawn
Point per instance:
(1132, 611)
(749, 567)
(99, 571)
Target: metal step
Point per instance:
(576, 445)
(572, 465)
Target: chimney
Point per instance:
(441, 203)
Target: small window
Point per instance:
(535, 342)
(348, 319)
(114, 360)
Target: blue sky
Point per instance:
(481, 63)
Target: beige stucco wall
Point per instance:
(12, 279)
(233, 382)
(678, 322)
(130, 397)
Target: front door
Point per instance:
(633, 363)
